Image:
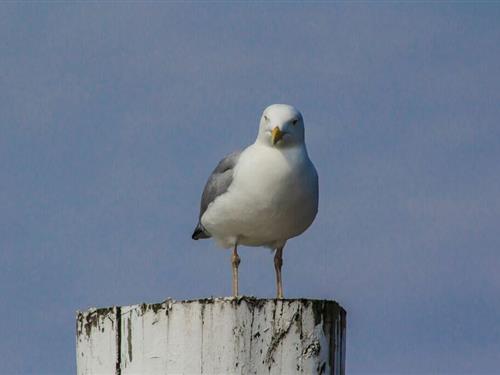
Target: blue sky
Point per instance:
(112, 116)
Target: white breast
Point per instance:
(273, 197)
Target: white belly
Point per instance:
(273, 197)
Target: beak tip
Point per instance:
(276, 135)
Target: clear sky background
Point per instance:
(113, 115)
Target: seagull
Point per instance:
(263, 195)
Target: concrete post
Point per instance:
(240, 335)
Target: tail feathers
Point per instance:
(200, 233)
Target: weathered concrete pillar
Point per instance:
(213, 336)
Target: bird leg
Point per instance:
(278, 262)
(235, 261)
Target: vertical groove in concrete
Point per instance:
(118, 343)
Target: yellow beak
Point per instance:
(276, 135)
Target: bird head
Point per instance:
(281, 125)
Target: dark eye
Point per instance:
(266, 118)
(294, 121)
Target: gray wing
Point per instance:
(217, 184)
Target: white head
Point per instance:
(281, 125)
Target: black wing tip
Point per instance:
(199, 233)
